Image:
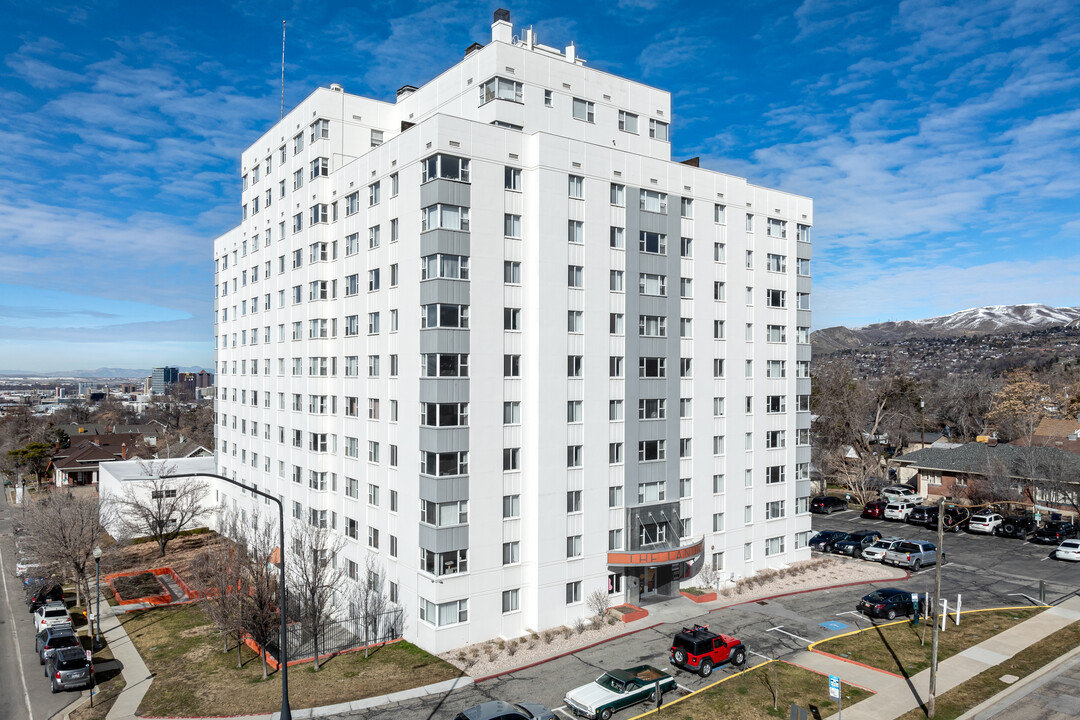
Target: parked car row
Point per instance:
(983, 522)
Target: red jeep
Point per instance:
(699, 650)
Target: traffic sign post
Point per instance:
(915, 611)
(834, 693)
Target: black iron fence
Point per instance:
(339, 635)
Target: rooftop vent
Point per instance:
(501, 14)
(336, 88)
(405, 91)
(472, 48)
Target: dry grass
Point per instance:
(748, 696)
(986, 684)
(192, 676)
(897, 647)
(179, 554)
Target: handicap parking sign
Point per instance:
(834, 687)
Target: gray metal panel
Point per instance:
(452, 242)
(455, 292)
(440, 490)
(653, 222)
(444, 341)
(802, 284)
(445, 191)
(802, 352)
(443, 539)
(444, 439)
(802, 250)
(653, 513)
(802, 454)
(444, 390)
(802, 488)
(802, 386)
(803, 318)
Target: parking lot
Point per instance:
(986, 571)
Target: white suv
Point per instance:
(896, 493)
(984, 522)
(898, 510)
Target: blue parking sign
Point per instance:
(834, 687)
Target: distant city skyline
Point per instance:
(938, 140)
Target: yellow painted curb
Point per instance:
(707, 687)
(812, 645)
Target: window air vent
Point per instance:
(660, 113)
(577, 164)
(455, 143)
(565, 85)
(429, 146)
(514, 156)
(510, 70)
(686, 188)
(719, 195)
(618, 173)
(393, 163)
(777, 211)
(607, 97)
(354, 117)
(653, 180)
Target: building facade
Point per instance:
(161, 378)
(494, 335)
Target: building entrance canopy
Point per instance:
(638, 558)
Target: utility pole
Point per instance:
(937, 607)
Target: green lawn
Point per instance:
(749, 696)
(898, 648)
(192, 676)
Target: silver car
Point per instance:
(69, 668)
(876, 552)
(52, 639)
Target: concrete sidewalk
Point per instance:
(136, 674)
(897, 695)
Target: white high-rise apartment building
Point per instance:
(494, 335)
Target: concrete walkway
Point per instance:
(136, 674)
(897, 695)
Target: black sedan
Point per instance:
(856, 542)
(921, 515)
(826, 539)
(827, 504)
(887, 603)
(1055, 532)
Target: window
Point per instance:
(512, 225)
(451, 267)
(775, 369)
(616, 324)
(617, 238)
(749, 223)
(649, 450)
(573, 592)
(686, 287)
(374, 194)
(802, 267)
(776, 333)
(652, 367)
(802, 539)
(511, 318)
(511, 553)
(719, 291)
(652, 533)
(718, 522)
(575, 276)
(774, 546)
(320, 167)
(650, 284)
(615, 453)
(498, 88)
(447, 167)
(658, 130)
(686, 247)
(776, 228)
(776, 298)
(575, 231)
(774, 474)
(628, 122)
(573, 411)
(718, 329)
(802, 301)
(376, 138)
(512, 178)
(573, 456)
(802, 403)
(618, 195)
(652, 326)
(298, 143)
(576, 186)
(573, 546)
(749, 263)
(686, 207)
(686, 367)
(443, 315)
(512, 272)
(719, 214)
(718, 445)
(511, 366)
(686, 327)
(686, 447)
(511, 506)
(547, 98)
(575, 321)
(615, 366)
(614, 542)
(512, 412)
(776, 263)
(509, 601)
(652, 409)
(444, 414)
(444, 464)
(574, 365)
(451, 613)
(774, 509)
(653, 201)
(802, 368)
(775, 439)
(655, 243)
(615, 410)
(583, 110)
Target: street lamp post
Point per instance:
(97, 592)
(283, 659)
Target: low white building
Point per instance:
(115, 477)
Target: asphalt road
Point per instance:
(24, 692)
(986, 571)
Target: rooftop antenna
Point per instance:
(282, 70)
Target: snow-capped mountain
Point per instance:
(974, 321)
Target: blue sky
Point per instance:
(940, 141)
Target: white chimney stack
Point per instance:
(502, 30)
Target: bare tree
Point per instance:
(159, 508)
(261, 619)
(314, 575)
(369, 598)
(219, 574)
(598, 602)
(995, 483)
(859, 474)
(962, 401)
(69, 528)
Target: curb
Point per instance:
(856, 662)
(564, 654)
(1020, 684)
(701, 690)
(846, 682)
